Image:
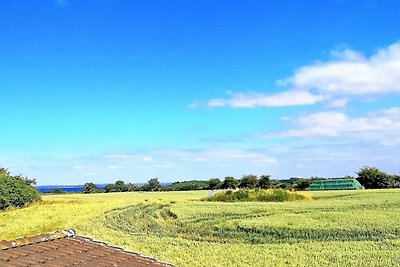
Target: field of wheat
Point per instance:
(336, 228)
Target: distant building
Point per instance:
(335, 184)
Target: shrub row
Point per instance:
(277, 195)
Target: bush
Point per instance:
(373, 178)
(89, 188)
(16, 191)
(277, 195)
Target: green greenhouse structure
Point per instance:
(335, 184)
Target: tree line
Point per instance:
(369, 177)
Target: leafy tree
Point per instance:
(275, 183)
(371, 177)
(214, 183)
(186, 186)
(248, 181)
(89, 188)
(110, 188)
(303, 184)
(229, 183)
(395, 181)
(284, 186)
(120, 186)
(16, 191)
(131, 187)
(152, 185)
(58, 191)
(265, 181)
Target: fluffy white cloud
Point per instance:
(351, 73)
(382, 126)
(252, 100)
(348, 74)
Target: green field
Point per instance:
(336, 228)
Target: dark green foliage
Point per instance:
(229, 183)
(276, 195)
(16, 191)
(303, 184)
(373, 178)
(275, 183)
(284, 186)
(248, 181)
(89, 188)
(55, 191)
(152, 185)
(264, 182)
(214, 183)
(395, 181)
(120, 186)
(58, 191)
(186, 186)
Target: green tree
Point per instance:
(303, 184)
(120, 186)
(58, 191)
(395, 181)
(214, 183)
(265, 181)
(248, 181)
(372, 178)
(16, 191)
(89, 188)
(152, 185)
(110, 188)
(229, 183)
(131, 187)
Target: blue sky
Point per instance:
(106, 90)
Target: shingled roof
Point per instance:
(65, 248)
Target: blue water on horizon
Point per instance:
(75, 188)
(66, 188)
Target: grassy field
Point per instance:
(336, 228)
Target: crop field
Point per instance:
(335, 228)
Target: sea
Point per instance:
(75, 188)
(66, 188)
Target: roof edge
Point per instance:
(23, 241)
(124, 250)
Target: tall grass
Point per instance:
(272, 195)
(358, 228)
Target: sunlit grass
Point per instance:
(337, 228)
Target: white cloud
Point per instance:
(351, 73)
(252, 100)
(382, 126)
(207, 155)
(338, 103)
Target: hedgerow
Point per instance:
(273, 195)
(16, 191)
